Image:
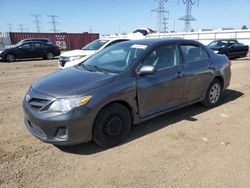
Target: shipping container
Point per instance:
(67, 41)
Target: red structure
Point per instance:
(69, 41)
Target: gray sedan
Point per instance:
(125, 84)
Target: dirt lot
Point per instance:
(191, 147)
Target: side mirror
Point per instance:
(147, 70)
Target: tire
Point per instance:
(112, 125)
(49, 55)
(10, 58)
(213, 94)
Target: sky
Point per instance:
(115, 16)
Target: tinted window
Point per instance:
(36, 45)
(163, 57)
(27, 45)
(193, 53)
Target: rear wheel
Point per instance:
(213, 94)
(10, 58)
(112, 125)
(49, 55)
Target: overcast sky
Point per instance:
(109, 17)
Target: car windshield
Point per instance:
(114, 59)
(218, 44)
(95, 45)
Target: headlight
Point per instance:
(216, 51)
(74, 58)
(1, 51)
(67, 104)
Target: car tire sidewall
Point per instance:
(207, 102)
(98, 130)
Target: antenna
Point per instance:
(188, 17)
(53, 22)
(37, 22)
(162, 16)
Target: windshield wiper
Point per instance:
(100, 69)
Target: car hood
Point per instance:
(78, 53)
(71, 82)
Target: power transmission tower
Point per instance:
(37, 22)
(162, 16)
(188, 17)
(53, 22)
(21, 27)
(10, 27)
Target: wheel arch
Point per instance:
(121, 102)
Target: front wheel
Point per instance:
(213, 94)
(49, 55)
(112, 125)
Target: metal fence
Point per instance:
(4, 40)
(206, 37)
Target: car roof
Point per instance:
(161, 41)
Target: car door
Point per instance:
(39, 49)
(197, 70)
(164, 89)
(24, 51)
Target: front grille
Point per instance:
(39, 104)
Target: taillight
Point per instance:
(229, 63)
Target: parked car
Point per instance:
(122, 85)
(74, 57)
(29, 50)
(231, 48)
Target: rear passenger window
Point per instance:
(193, 53)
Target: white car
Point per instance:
(74, 57)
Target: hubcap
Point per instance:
(10, 58)
(50, 55)
(214, 93)
(113, 126)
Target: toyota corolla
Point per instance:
(125, 84)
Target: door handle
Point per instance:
(179, 74)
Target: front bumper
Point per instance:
(69, 128)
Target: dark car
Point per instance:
(231, 48)
(29, 50)
(122, 85)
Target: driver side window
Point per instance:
(27, 45)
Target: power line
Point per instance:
(21, 27)
(188, 17)
(10, 27)
(162, 16)
(37, 22)
(53, 22)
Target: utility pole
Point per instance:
(21, 27)
(53, 22)
(188, 17)
(37, 22)
(10, 27)
(162, 16)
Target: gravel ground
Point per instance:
(191, 147)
